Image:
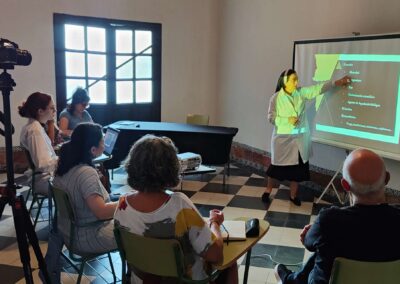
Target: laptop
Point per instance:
(110, 138)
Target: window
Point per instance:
(117, 62)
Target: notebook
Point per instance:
(110, 138)
(235, 229)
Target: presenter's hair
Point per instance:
(35, 101)
(152, 164)
(281, 80)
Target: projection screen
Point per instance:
(365, 114)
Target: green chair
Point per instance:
(160, 257)
(64, 210)
(36, 197)
(347, 271)
(198, 119)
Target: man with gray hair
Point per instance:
(364, 231)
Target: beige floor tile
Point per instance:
(190, 185)
(283, 237)
(236, 180)
(256, 176)
(256, 275)
(312, 218)
(254, 191)
(210, 198)
(235, 212)
(286, 206)
(271, 277)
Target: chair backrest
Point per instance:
(346, 271)
(198, 119)
(161, 257)
(63, 204)
(65, 212)
(29, 158)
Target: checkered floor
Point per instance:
(239, 198)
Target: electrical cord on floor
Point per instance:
(274, 261)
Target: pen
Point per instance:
(227, 233)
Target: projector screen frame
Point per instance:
(338, 144)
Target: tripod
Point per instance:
(22, 222)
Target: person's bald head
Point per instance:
(364, 172)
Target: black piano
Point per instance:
(213, 143)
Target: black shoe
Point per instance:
(281, 273)
(265, 197)
(296, 201)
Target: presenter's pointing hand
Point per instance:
(344, 82)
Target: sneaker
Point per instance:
(265, 197)
(281, 273)
(296, 201)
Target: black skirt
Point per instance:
(300, 172)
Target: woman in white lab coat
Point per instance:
(290, 143)
(39, 108)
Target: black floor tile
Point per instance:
(317, 207)
(6, 241)
(220, 188)
(200, 177)
(262, 182)
(260, 256)
(11, 274)
(187, 193)
(248, 202)
(289, 220)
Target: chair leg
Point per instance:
(34, 199)
(29, 193)
(112, 267)
(38, 212)
(81, 272)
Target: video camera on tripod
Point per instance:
(11, 55)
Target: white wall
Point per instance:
(256, 46)
(189, 48)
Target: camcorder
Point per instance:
(11, 55)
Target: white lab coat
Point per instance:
(37, 142)
(288, 140)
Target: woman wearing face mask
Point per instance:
(39, 109)
(289, 147)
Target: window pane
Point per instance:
(142, 41)
(143, 67)
(96, 65)
(98, 92)
(96, 39)
(126, 71)
(74, 64)
(123, 41)
(72, 84)
(124, 92)
(74, 37)
(144, 90)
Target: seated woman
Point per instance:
(75, 113)
(152, 166)
(39, 109)
(77, 176)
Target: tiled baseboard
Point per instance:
(260, 160)
(19, 158)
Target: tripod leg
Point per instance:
(33, 240)
(23, 247)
